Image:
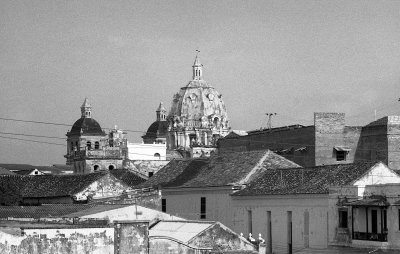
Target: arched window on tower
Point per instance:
(157, 156)
(89, 145)
(216, 121)
(96, 145)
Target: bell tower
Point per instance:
(86, 109)
(161, 113)
(197, 68)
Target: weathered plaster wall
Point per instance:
(104, 164)
(132, 212)
(158, 246)
(220, 238)
(186, 204)
(309, 219)
(107, 186)
(131, 238)
(57, 240)
(145, 166)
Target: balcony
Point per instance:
(107, 153)
(379, 237)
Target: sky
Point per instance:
(292, 58)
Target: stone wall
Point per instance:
(295, 144)
(329, 132)
(131, 237)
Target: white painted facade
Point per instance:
(141, 151)
(132, 212)
(309, 219)
(379, 174)
(314, 216)
(186, 203)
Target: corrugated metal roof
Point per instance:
(180, 230)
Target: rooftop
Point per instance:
(311, 180)
(219, 170)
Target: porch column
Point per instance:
(352, 223)
(381, 234)
(366, 217)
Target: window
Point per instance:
(151, 174)
(157, 156)
(164, 205)
(202, 208)
(341, 155)
(111, 167)
(89, 145)
(96, 145)
(96, 167)
(399, 219)
(250, 221)
(343, 218)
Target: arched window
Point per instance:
(96, 145)
(111, 167)
(215, 121)
(89, 145)
(77, 146)
(157, 156)
(96, 167)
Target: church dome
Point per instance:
(198, 104)
(86, 125)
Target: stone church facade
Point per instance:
(89, 148)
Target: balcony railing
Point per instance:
(379, 237)
(110, 152)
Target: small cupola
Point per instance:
(197, 68)
(161, 112)
(86, 109)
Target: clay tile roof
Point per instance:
(4, 171)
(219, 170)
(311, 180)
(46, 185)
(128, 177)
(52, 210)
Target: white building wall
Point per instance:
(186, 204)
(133, 212)
(315, 205)
(379, 174)
(138, 151)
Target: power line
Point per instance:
(59, 124)
(30, 135)
(35, 141)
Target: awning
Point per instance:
(368, 202)
(342, 148)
